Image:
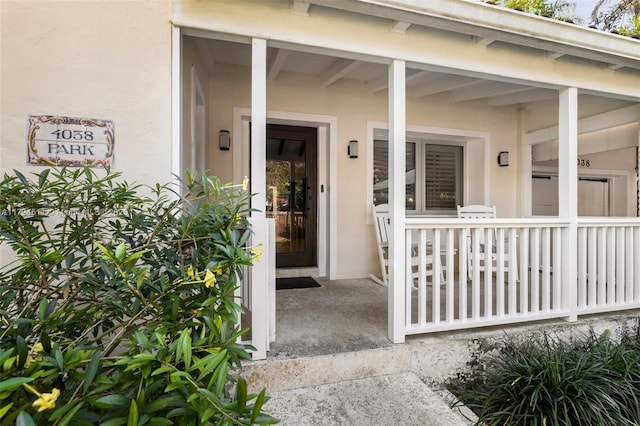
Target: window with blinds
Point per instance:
(435, 188)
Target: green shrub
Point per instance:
(119, 307)
(592, 381)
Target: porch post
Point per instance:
(259, 278)
(397, 131)
(568, 195)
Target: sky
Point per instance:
(584, 8)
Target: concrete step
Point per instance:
(291, 373)
(396, 399)
(366, 387)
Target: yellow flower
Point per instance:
(218, 270)
(190, 273)
(256, 253)
(37, 348)
(209, 279)
(47, 401)
(245, 183)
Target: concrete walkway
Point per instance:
(397, 399)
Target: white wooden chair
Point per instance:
(482, 212)
(381, 227)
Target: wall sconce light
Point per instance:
(224, 140)
(503, 158)
(352, 149)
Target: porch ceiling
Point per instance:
(423, 81)
(420, 83)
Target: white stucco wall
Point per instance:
(93, 59)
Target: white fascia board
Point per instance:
(455, 14)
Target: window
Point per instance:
(434, 188)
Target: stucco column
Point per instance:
(259, 277)
(568, 195)
(397, 133)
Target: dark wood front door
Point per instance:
(291, 193)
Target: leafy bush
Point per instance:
(556, 9)
(119, 307)
(592, 381)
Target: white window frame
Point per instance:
(476, 154)
(420, 148)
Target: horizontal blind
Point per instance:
(442, 170)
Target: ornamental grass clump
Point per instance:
(117, 301)
(546, 381)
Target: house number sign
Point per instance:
(584, 163)
(70, 141)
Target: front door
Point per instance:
(291, 193)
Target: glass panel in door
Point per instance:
(290, 196)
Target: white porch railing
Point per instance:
(608, 264)
(513, 282)
(520, 278)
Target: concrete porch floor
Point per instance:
(340, 316)
(332, 364)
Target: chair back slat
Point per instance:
(476, 211)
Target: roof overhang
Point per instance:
(490, 23)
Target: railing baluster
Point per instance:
(620, 263)
(475, 279)
(500, 272)
(611, 266)
(545, 250)
(513, 273)
(535, 270)
(629, 255)
(592, 274)
(449, 275)
(488, 272)
(409, 278)
(524, 271)
(582, 267)
(422, 276)
(463, 240)
(602, 266)
(436, 270)
(557, 264)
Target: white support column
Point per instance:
(637, 212)
(259, 273)
(568, 195)
(527, 181)
(397, 135)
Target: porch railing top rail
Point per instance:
(608, 221)
(422, 222)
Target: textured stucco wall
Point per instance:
(95, 59)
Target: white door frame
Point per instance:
(327, 172)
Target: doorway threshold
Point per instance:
(309, 271)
